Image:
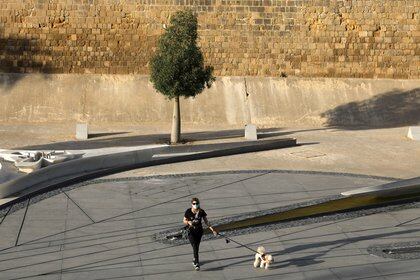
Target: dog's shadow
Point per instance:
(300, 262)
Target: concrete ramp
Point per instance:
(403, 187)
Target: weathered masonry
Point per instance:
(313, 38)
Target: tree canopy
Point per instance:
(177, 68)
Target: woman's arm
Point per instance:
(210, 227)
(186, 222)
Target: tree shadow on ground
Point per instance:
(391, 109)
(19, 56)
(138, 140)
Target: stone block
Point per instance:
(105, 28)
(414, 133)
(251, 132)
(82, 131)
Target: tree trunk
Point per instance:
(176, 122)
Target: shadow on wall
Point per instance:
(391, 109)
(20, 55)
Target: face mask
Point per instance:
(196, 206)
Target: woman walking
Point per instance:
(192, 220)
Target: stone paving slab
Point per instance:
(320, 274)
(9, 228)
(122, 246)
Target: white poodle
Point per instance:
(262, 259)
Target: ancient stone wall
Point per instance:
(317, 38)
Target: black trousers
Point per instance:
(194, 236)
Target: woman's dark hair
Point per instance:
(195, 199)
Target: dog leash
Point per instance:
(227, 239)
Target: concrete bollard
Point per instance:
(251, 132)
(82, 131)
(414, 133)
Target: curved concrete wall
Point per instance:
(398, 188)
(231, 100)
(97, 166)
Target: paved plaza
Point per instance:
(361, 151)
(295, 125)
(104, 229)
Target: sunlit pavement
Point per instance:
(104, 230)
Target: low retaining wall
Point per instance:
(231, 100)
(70, 172)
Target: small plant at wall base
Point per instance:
(177, 68)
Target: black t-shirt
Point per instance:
(195, 218)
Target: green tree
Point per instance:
(177, 68)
